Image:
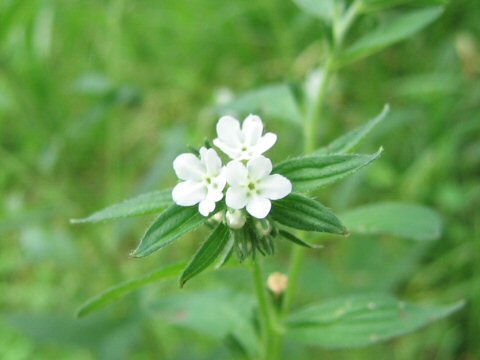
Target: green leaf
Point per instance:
(376, 5)
(392, 32)
(346, 142)
(173, 223)
(300, 212)
(323, 9)
(361, 320)
(219, 313)
(296, 240)
(398, 219)
(207, 253)
(272, 101)
(118, 292)
(226, 253)
(312, 172)
(141, 205)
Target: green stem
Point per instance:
(312, 121)
(343, 24)
(268, 319)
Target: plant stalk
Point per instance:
(268, 318)
(312, 121)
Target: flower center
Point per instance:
(253, 189)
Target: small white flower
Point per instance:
(243, 143)
(253, 187)
(203, 180)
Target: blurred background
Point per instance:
(98, 97)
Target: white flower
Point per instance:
(243, 143)
(253, 187)
(203, 180)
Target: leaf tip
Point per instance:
(460, 304)
(79, 313)
(386, 110)
(135, 254)
(379, 152)
(182, 282)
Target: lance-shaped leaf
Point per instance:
(173, 223)
(361, 320)
(226, 253)
(296, 240)
(272, 101)
(207, 254)
(391, 32)
(398, 219)
(323, 9)
(141, 205)
(346, 142)
(310, 173)
(115, 293)
(377, 5)
(302, 213)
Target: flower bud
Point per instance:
(263, 227)
(217, 218)
(468, 52)
(235, 219)
(277, 283)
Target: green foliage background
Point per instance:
(98, 97)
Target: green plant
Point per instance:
(351, 321)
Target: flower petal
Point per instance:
(206, 207)
(259, 207)
(275, 187)
(252, 129)
(236, 197)
(188, 167)
(264, 143)
(212, 161)
(232, 152)
(236, 173)
(189, 193)
(228, 131)
(214, 195)
(259, 167)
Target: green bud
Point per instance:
(235, 219)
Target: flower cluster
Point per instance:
(247, 178)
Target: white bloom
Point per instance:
(253, 187)
(243, 143)
(203, 180)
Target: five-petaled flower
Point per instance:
(243, 143)
(253, 187)
(203, 180)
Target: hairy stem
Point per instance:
(268, 319)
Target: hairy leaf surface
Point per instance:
(141, 205)
(361, 320)
(312, 172)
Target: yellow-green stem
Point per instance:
(268, 321)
